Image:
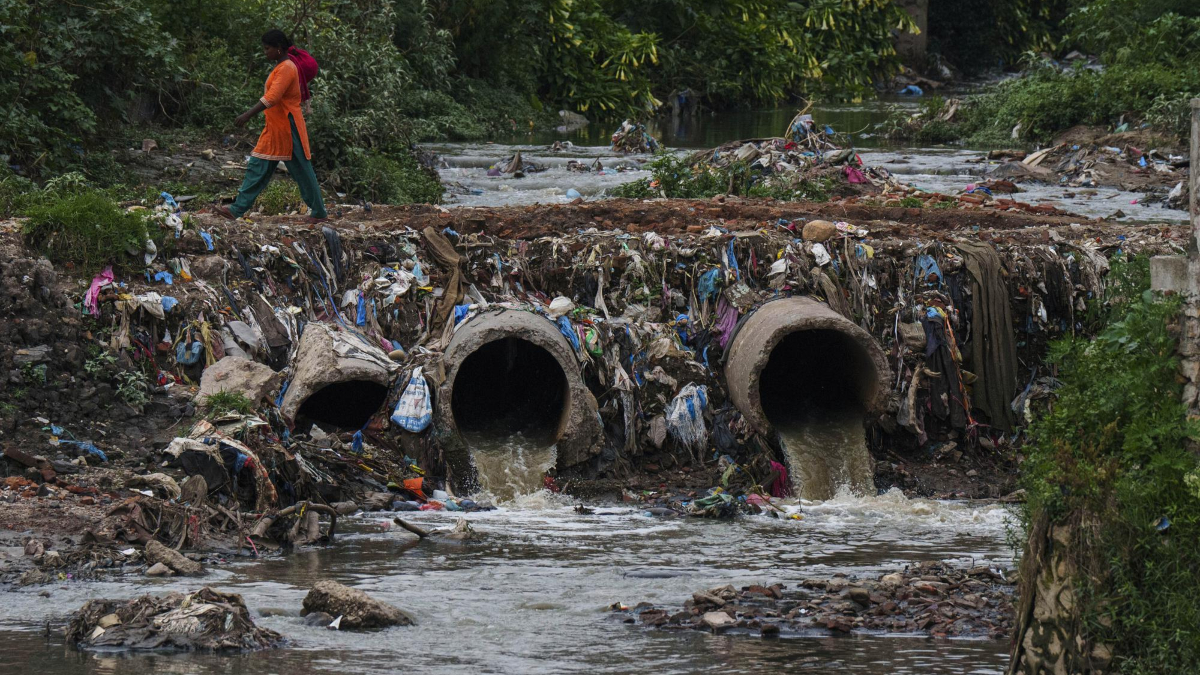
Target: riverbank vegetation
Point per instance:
(1112, 452)
(1146, 70)
(79, 79)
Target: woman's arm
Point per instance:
(245, 117)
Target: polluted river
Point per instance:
(946, 169)
(625, 394)
(532, 594)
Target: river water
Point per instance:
(947, 170)
(531, 595)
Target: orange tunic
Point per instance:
(282, 98)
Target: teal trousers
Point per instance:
(259, 172)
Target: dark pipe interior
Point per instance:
(815, 372)
(510, 386)
(347, 405)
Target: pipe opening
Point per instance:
(822, 370)
(346, 405)
(507, 387)
(814, 391)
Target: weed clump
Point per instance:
(228, 402)
(280, 197)
(674, 177)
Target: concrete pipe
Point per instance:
(509, 372)
(338, 379)
(796, 353)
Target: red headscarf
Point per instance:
(307, 66)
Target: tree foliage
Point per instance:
(397, 71)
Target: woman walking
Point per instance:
(284, 137)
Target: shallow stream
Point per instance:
(947, 170)
(531, 595)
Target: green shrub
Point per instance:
(86, 228)
(387, 179)
(1114, 448)
(281, 196)
(217, 86)
(15, 193)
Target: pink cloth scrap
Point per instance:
(727, 318)
(90, 301)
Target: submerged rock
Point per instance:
(718, 621)
(357, 610)
(206, 620)
(159, 570)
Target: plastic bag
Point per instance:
(685, 416)
(414, 411)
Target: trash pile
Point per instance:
(633, 138)
(1093, 165)
(930, 598)
(648, 317)
(515, 165)
(807, 151)
(753, 489)
(207, 620)
(319, 336)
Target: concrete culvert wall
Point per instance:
(337, 379)
(512, 371)
(794, 353)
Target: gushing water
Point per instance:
(827, 453)
(510, 467)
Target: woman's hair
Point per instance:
(276, 38)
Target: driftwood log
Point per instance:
(307, 527)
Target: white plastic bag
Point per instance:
(560, 306)
(820, 254)
(414, 411)
(685, 416)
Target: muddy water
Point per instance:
(827, 454)
(531, 595)
(509, 467)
